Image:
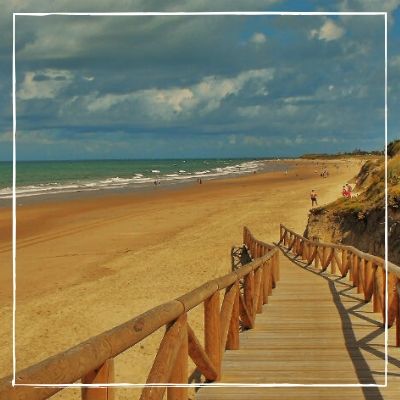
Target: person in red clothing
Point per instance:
(349, 190)
(345, 192)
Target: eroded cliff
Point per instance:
(360, 221)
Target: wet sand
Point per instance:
(86, 265)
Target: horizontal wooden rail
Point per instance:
(367, 272)
(391, 266)
(92, 361)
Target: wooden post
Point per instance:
(368, 280)
(272, 276)
(276, 266)
(349, 267)
(244, 313)
(351, 272)
(226, 314)
(200, 357)
(166, 357)
(258, 281)
(103, 374)
(266, 281)
(232, 342)
(344, 262)
(212, 331)
(361, 276)
(180, 371)
(304, 255)
(333, 262)
(316, 257)
(355, 271)
(393, 298)
(249, 291)
(310, 254)
(324, 256)
(378, 291)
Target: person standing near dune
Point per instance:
(313, 196)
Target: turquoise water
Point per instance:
(47, 177)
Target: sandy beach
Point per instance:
(86, 265)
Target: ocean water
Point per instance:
(50, 177)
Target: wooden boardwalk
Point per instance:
(275, 320)
(315, 329)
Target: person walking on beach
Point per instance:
(313, 196)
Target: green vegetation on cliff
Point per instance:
(370, 185)
(357, 153)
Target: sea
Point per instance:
(46, 178)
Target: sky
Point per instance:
(91, 87)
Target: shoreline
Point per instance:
(86, 265)
(81, 202)
(135, 182)
(282, 165)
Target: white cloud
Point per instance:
(251, 140)
(297, 99)
(250, 111)
(284, 111)
(258, 38)
(327, 139)
(328, 31)
(44, 84)
(201, 98)
(36, 137)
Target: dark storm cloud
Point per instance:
(144, 86)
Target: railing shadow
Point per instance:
(353, 345)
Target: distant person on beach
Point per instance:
(345, 192)
(313, 197)
(325, 173)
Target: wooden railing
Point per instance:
(367, 272)
(92, 361)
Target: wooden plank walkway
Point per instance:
(315, 329)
